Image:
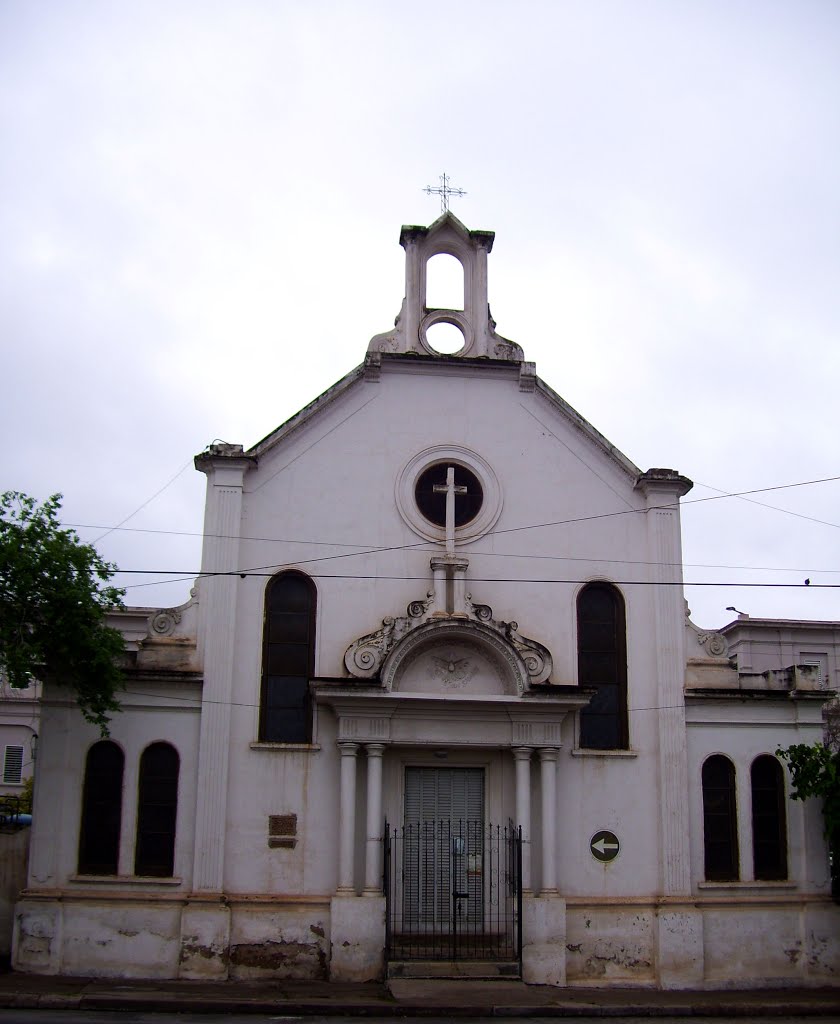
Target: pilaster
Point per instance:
(225, 466)
(662, 489)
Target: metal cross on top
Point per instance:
(450, 490)
(444, 190)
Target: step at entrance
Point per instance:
(479, 969)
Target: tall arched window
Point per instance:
(288, 658)
(602, 666)
(99, 834)
(157, 809)
(769, 825)
(720, 822)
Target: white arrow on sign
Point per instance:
(602, 846)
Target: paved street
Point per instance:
(129, 1017)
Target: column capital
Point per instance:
(548, 753)
(347, 748)
(522, 753)
(375, 749)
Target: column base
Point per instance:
(205, 941)
(543, 940)
(679, 955)
(357, 938)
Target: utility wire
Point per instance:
(248, 573)
(250, 704)
(189, 574)
(763, 504)
(491, 533)
(148, 501)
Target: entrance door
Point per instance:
(443, 854)
(452, 882)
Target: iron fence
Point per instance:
(453, 891)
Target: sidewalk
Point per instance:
(406, 998)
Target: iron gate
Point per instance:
(453, 891)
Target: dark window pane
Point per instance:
(99, 834)
(768, 819)
(720, 827)
(602, 666)
(598, 636)
(288, 627)
(288, 725)
(290, 592)
(157, 808)
(597, 604)
(599, 732)
(605, 701)
(285, 692)
(288, 658)
(598, 668)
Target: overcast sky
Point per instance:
(200, 206)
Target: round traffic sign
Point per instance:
(604, 845)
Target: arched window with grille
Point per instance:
(602, 666)
(720, 820)
(288, 659)
(157, 811)
(99, 832)
(769, 821)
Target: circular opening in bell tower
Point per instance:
(445, 338)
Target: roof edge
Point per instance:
(586, 428)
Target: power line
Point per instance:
(260, 573)
(775, 508)
(378, 549)
(200, 701)
(148, 501)
(491, 533)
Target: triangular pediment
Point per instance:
(447, 224)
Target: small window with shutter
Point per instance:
(13, 765)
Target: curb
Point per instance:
(200, 1004)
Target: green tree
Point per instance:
(815, 771)
(54, 595)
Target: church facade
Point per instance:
(435, 698)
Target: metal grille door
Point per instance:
(452, 882)
(444, 817)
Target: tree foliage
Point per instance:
(54, 595)
(815, 771)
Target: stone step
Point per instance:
(487, 969)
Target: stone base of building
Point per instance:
(544, 940)
(357, 949)
(679, 955)
(790, 941)
(205, 941)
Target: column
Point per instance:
(373, 844)
(522, 758)
(548, 788)
(347, 818)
